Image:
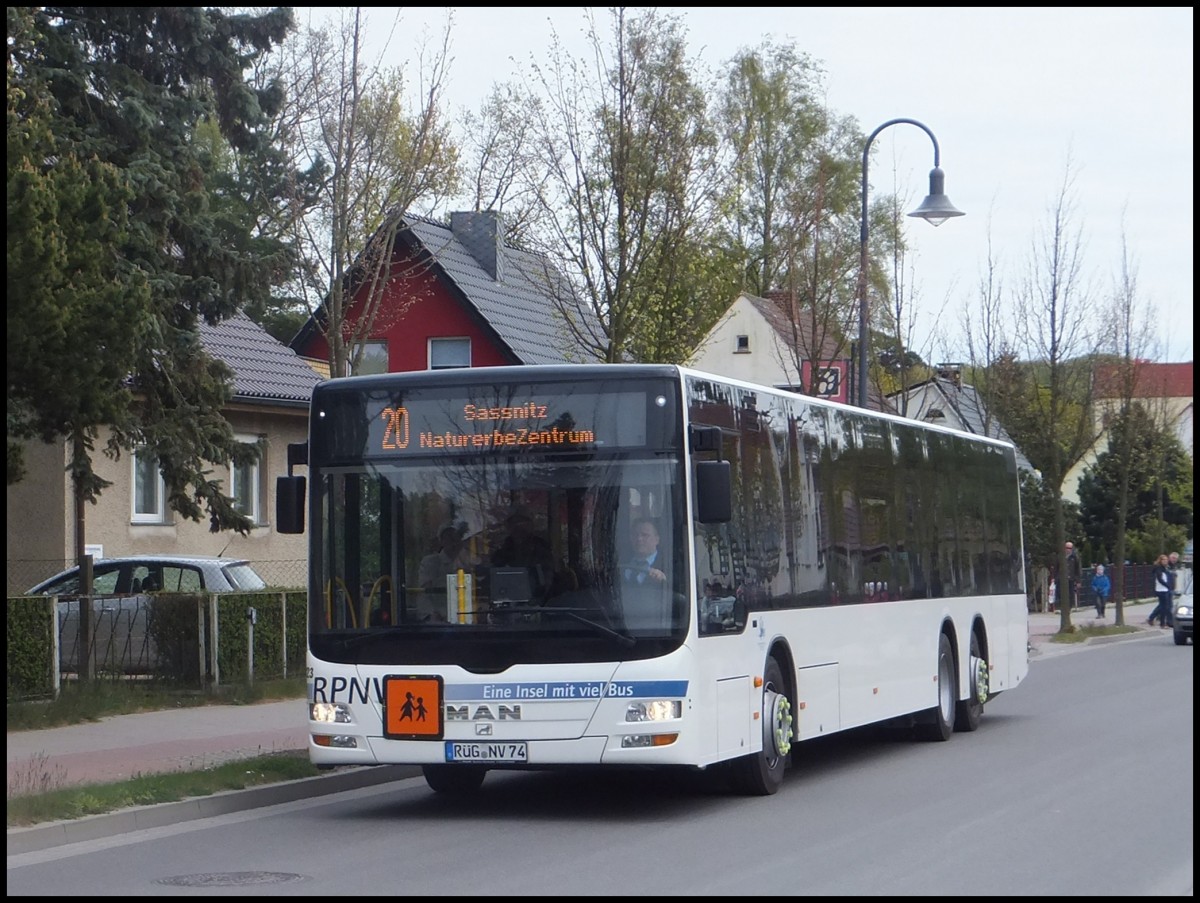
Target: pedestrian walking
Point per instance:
(1101, 587)
(1074, 572)
(1163, 579)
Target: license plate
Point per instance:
(486, 752)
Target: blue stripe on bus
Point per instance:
(566, 689)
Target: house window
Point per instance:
(743, 345)
(374, 358)
(447, 353)
(148, 489)
(245, 485)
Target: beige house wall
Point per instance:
(38, 517)
(1178, 412)
(41, 516)
(766, 363)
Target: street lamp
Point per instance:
(936, 208)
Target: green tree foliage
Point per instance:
(1038, 504)
(1056, 328)
(793, 218)
(120, 238)
(1154, 457)
(377, 158)
(630, 185)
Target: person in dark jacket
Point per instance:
(1074, 573)
(1101, 587)
(1163, 583)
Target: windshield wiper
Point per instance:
(573, 613)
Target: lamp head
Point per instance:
(936, 208)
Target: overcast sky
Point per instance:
(1012, 94)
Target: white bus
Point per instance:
(802, 568)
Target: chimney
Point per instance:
(952, 373)
(784, 299)
(482, 234)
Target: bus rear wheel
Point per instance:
(970, 710)
(459, 780)
(939, 721)
(761, 773)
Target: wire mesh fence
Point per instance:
(23, 574)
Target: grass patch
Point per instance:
(1081, 633)
(79, 703)
(35, 796)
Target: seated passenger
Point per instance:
(451, 557)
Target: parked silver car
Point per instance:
(148, 573)
(1184, 606)
(121, 603)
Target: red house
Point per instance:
(460, 296)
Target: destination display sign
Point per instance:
(530, 422)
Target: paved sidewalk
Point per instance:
(127, 746)
(118, 748)
(1044, 625)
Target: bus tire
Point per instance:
(939, 721)
(459, 780)
(970, 710)
(761, 773)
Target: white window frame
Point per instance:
(156, 511)
(449, 342)
(254, 477)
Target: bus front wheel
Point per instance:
(761, 773)
(459, 780)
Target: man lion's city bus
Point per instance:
(803, 568)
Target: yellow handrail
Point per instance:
(329, 602)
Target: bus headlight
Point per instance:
(329, 713)
(655, 710)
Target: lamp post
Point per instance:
(936, 208)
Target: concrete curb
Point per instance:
(55, 834)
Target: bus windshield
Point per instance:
(488, 558)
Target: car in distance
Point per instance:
(1184, 607)
(121, 603)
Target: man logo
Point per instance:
(483, 713)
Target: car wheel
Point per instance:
(1180, 637)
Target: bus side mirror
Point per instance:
(289, 492)
(289, 504)
(714, 492)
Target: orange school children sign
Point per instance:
(412, 707)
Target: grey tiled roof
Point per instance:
(518, 306)
(964, 402)
(264, 368)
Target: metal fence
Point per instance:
(200, 640)
(1138, 584)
